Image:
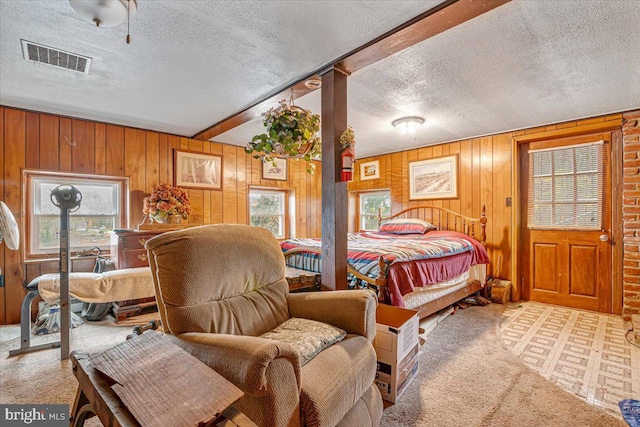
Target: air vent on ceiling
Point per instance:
(56, 57)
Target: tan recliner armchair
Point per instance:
(221, 286)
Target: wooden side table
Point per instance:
(147, 362)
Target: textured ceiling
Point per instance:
(190, 64)
(524, 64)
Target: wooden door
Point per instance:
(567, 234)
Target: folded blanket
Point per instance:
(110, 286)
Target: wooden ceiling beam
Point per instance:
(297, 90)
(437, 20)
(424, 26)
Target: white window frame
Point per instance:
(32, 196)
(283, 194)
(574, 202)
(362, 216)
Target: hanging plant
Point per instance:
(292, 133)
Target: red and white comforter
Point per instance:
(411, 260)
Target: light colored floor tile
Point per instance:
(582, 352)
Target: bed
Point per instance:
(406, 268)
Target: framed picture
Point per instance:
(370, 170)
(434, 178)
(277, 169)
(197, 170)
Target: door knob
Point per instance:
(604, 237)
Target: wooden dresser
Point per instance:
(127, 247)
(127, 251)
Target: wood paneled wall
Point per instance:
(485, 173)
(48, 142)
(484, 179)
(31, 140)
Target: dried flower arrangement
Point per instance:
(166, 201)
(348, 138)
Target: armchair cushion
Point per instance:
(222, 278)
(252, 313)
(334, 381)
(366, 412)
(307, 337)
(354, 311)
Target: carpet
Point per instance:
(41, 377)
(468, 377)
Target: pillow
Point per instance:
(308, 337)
(406, 226)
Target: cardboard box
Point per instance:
(396, 347)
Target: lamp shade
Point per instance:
(104, 13)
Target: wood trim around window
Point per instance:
(288, 192)
(356, 195)
(29, 174)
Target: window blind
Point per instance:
(567, 186)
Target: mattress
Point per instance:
(424, 294)
(110, 286)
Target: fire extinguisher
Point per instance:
(348, 160)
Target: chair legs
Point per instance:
(25, 329)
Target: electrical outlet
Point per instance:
(1, 280)
(508, 201)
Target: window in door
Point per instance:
(268, 209)
(372, 203)
(568, 186)
(101, 211)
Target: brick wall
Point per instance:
(631, 214)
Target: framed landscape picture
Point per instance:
(197, 170)
(276, 169)
(370, 170)
(434, 178)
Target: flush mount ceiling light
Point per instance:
(408, 124)
(313, 83)
(105, 13)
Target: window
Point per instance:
(566, 186)
(267, 209)
(101, 211)
(370, 204)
